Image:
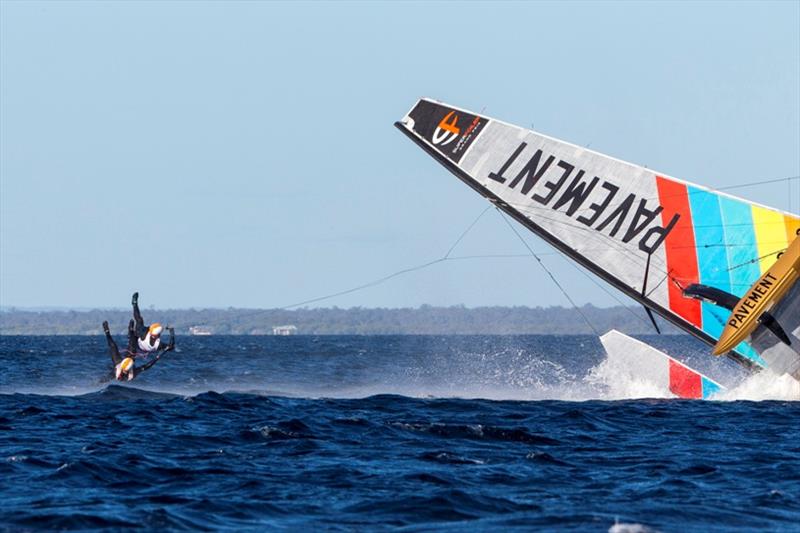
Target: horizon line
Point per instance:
(84, 309)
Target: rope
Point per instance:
(613, 205)
(532, 210)
(464, 233)
(754, 183)
(757, 259)
(445, 257)
(366, 285)
(552, 277)
(601, 286)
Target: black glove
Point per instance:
(105, 326)
(135, 298)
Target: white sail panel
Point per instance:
(648, 234)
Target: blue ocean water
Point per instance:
(373, 433)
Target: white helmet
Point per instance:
(125, 367)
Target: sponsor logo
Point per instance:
(450, 131)
(759, 292)
(447, 130)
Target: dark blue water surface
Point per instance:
(373, 433)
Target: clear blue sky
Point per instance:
(243, 154)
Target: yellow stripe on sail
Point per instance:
(770, 230)
(792, 226)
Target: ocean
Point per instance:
(374, 433)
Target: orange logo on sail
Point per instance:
(447, 130)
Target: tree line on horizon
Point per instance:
(424, 320)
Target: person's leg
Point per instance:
(132, 339)
(137, 316)
(112, 346)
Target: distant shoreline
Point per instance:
(424, 320)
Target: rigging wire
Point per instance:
(366, 285)
(591, 278)
(445, 257)
(469, 228)
(757, 259)
(531, 212)
(552, 277)
(612, 205)
(754, 183)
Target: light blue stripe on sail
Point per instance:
(748, 351)
(740, 242)
(714, 318)
(709, 387)
(712, 253)
(742, 252)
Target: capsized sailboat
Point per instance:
(685, 252)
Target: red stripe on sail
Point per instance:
(684, 382)
(680, 248)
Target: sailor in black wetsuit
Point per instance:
(125, 368)
(148, 337)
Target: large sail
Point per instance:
(648, 234)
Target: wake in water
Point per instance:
(617, 383)
(527, 368)
(536, 381)
(763, 386)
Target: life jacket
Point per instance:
(145, 346)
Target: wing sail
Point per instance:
(647, 234)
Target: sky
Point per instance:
(244, 155)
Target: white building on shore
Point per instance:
(284, 330)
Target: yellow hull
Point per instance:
(765, 292)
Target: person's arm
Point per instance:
(169, 348)
(148, 364)
(171, 345)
